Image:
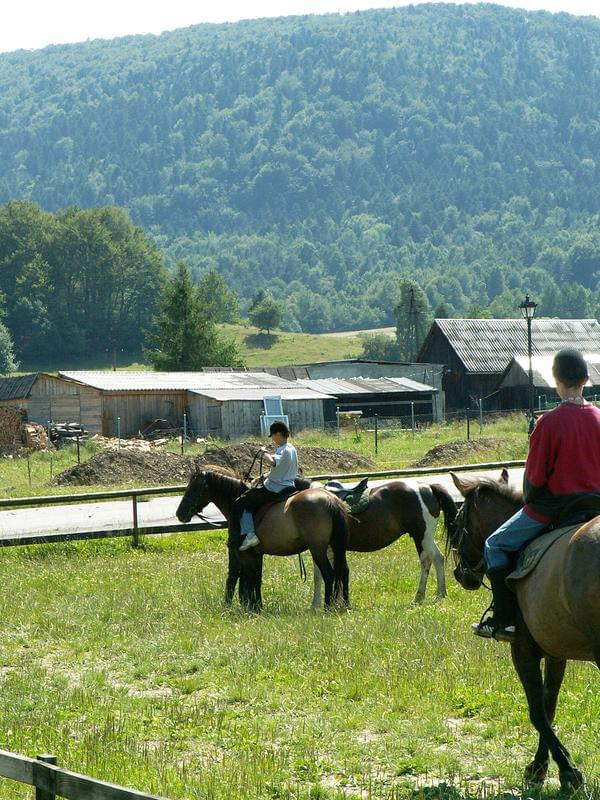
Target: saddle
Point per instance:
(579, 510)
(355, 495)
(261, 512)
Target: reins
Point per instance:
(248, 474)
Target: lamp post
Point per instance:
(528, 308)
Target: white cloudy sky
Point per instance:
(32, 24)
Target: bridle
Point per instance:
(463, 566)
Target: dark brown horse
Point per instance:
(312, 519)
(395, 508)
(559, 606)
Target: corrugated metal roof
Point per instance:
(341, 386)
(293, 392)
(517, 373)
(487, 345)
(16, 388)
(218, 385)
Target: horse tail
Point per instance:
(449, 508)
(339, 544)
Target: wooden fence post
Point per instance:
(43, 794)
(136, 533)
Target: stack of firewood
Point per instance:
(35, 437)
(12, 420)
(17, 435)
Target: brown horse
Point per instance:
(395, 508)
(559, 606)
(311, 519)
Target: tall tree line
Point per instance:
(330, 158)
(76, 282)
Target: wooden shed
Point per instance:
(476, 352)
(227, 405)
(48, 398)
(16, 391)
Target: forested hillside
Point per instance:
(329, 157)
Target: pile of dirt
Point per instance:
(159, 468)
(116, 467)
(454, 452)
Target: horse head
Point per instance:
(210, 484)
(487, 503)
(196, 496)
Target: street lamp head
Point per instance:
(528, 308)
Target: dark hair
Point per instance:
(279, 427)
(569, 366)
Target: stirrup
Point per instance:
(484, 628)
(505, 633)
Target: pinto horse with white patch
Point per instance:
(395, 508)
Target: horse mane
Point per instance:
(226, 472)
(501, 488)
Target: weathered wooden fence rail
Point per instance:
(51, 781)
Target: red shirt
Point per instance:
(563, 459)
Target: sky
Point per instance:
(31, 24)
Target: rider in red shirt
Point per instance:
(563, 462)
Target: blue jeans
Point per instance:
(510, 537)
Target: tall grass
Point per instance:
(126, 665)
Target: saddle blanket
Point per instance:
(530, 556)
(358, 503)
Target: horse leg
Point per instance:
(425, 562)
(433, 553)
(318, 581)
(526, 657)
(554, 672)
(233, 573)
(251, 564)
(327, 573)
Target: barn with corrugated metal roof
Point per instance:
(477, 351)
(227, 405)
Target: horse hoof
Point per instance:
(571, 780)
(535, 774)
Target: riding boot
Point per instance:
(501, 625)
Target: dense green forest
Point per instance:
(76, 282)
(328, 158)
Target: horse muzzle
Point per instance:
(467, 578)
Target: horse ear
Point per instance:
(504, 476)
(464, 485)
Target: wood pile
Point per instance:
(18, 435)
(145, 445)
(35, 437)
(12, 420)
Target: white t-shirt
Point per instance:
(285, 471)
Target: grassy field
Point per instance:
(126, 665)
(269, 350)
(258, 350)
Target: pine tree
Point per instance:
(186, 337)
